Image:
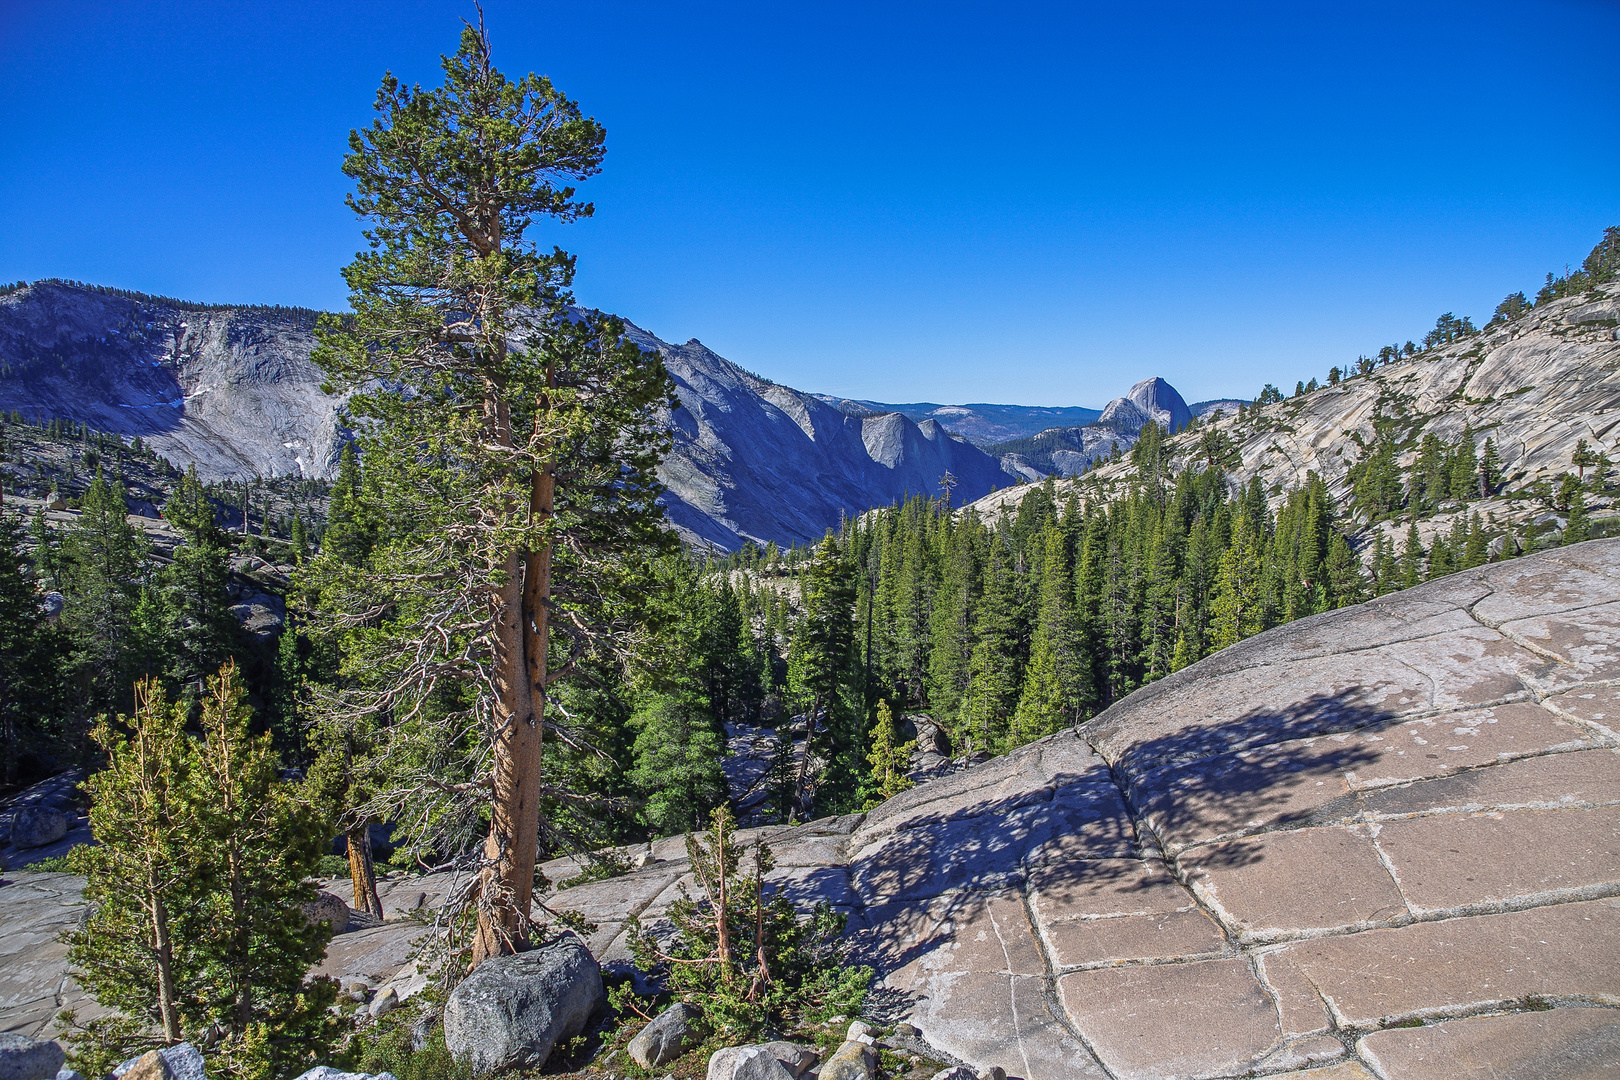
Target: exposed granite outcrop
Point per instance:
(1536, 385)
(1383, 841)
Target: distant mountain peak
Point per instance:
(1161, 402)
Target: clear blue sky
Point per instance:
(953, 202)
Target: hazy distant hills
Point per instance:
(1034, 441)
(979, 423)
(1071, 450)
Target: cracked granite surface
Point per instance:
(1380, 842)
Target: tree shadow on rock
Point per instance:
(1269, 769)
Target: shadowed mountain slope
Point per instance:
(757, 461)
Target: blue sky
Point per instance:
(952, 202)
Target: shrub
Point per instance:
(741, 952)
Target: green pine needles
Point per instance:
(498, 543)
(740, 950)
(196, 886)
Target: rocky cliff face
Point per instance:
(1380, 842)
(756, 461)
(233, 391)
(228, 389)
(1070, 451)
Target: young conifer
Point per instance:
(198, 881)
(31, 657)
(890, 760)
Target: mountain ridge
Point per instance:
(1537, 384)
(232, 390)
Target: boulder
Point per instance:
(65, 1073)
(328, 909)
(671, 1033)
(795, 1058)
(955, 1072)
(747, 1063)
(22, 1058)
(181, 1061)
(851, 1061)
(512, 1010)
(36, 826)
(261, 615)
(384, 1003)
(326, 1072)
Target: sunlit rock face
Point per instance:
(1536, 386)
(1161, 403)
(230, 390)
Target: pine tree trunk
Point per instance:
(507, 885)
(362, 872)
(722, 909)
(799, 801)
(163, 958)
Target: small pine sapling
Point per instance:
(889, 759)
(740, 951)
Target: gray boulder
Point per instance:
(513, 1010)
(328, 909)
(65, 1073)
(36, 826)
(326, 1072)
(747, 1063)
(22, 1058)
(182, 1061)
(851, 1061)
(672, 1032)
(795, 1058)
(384, 1003)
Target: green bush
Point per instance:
(54, 864)
(742, 953)
(386, 1047)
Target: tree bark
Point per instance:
(722, 909)
(521, 636)
(362, 872)
(799, 801)
(163, 958)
